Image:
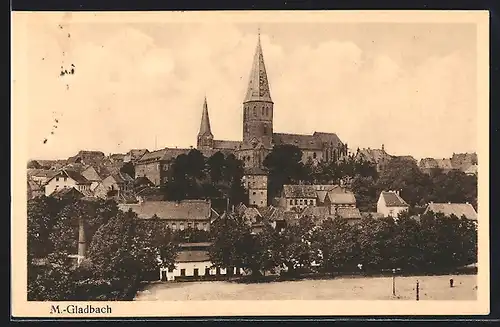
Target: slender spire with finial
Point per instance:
(258, 85)
(205, 120)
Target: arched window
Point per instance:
(254, 111)
(263, 111)
(267, 111)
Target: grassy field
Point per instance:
(355, 288)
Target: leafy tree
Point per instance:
(234, 245)
(284, 163)
(192, 235)
(338, 245)
(294, 245)
(365, 191)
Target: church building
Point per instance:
(259, 136)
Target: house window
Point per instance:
(291, 201)
(57, 179)
(195, 272)
(190, 225)
(165, 167)
(205, 226)
(253, 193)
(65, 179)
(181, 226)
(311, 202)
(296, 202)
(183, 272)
(263, 111)
(198, 226)
(261, 202)
(314, 155)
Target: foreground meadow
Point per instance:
(355, 288)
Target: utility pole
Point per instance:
(417, 291)
(394, 282)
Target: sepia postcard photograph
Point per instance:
(250, 163)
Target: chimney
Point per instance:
(82, 242)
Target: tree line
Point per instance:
(285, 166)
(432, 243)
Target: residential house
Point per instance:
(193, 262)
(462, 161)
(40, 176)
(297, 197)
(379, 157)
(472, 170)
(34, 189)
(66, 179)
(91, 174)
(177, 215)
(141, 183)
(457, 209)
(155, 165)
(87, 157)
(339, 198)
(390, 204)
(118, 183)
(351, 215)
(67, 193)
(134, 155)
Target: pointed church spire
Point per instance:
(205, 121)
(258, 85)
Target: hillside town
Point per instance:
(268, 179)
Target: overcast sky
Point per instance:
(411, 87)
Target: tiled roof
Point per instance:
(345, 197)
(258, 86)
(33, 186)
(170, 210)
(392, 199)
(67, 192)
(91, 174)
(349, 213)
(373, 155)
(316, 211)
(76, 176)
(169, 154)
(472, 169)
(192, 256)
(254, 171)
(224, 144)
(428, 163)
(444, 163)
(299, 191)
(309, 142)
(41, 173)
(374, 215)
(321, 195)
(120, 177)
(457, 209)
(330, 138)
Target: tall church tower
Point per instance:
(205, 137)
(258, 105)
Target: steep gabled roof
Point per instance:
(205, 129)
(299, 191)
(91, 174)
(457, 209)
(258, 85)
(306, 142)
(392, 199)
(345, 197)
(349, 213)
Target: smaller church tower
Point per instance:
(205, 137)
